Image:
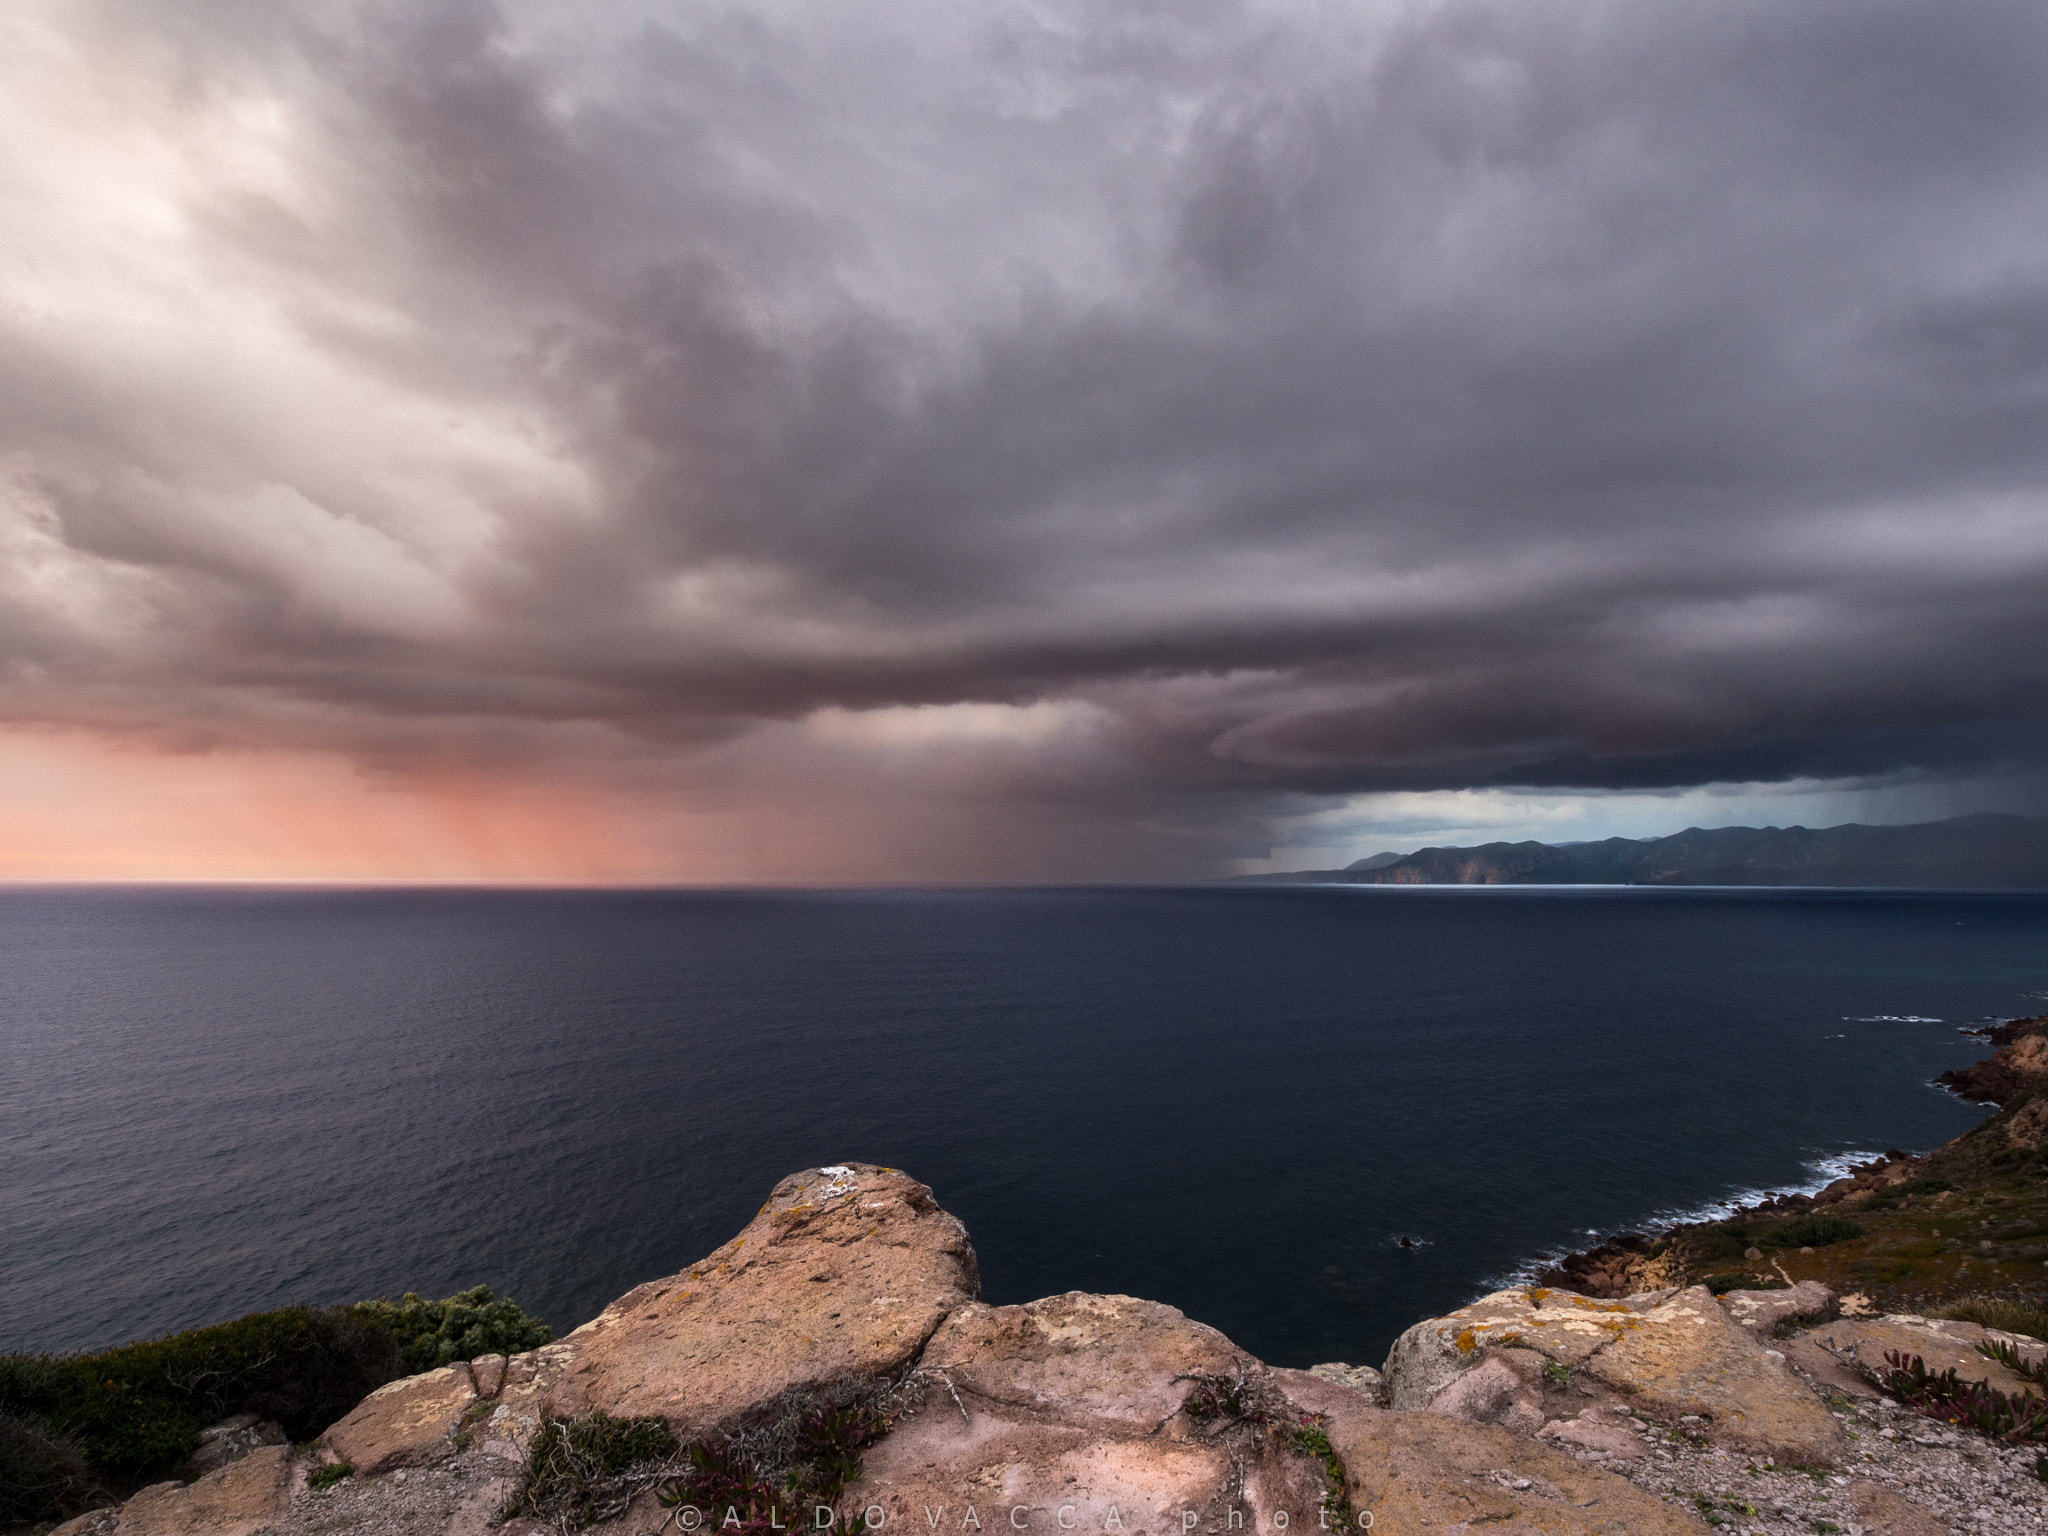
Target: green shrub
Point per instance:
(90, 1426)
(1924, 1185)
(1810, 1232)
(322, 1478)
(137, 1411)
(471, 1323)
(1717, 1240)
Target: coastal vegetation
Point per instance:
(796, 1455)
(75, 1428)
(1961, 1231)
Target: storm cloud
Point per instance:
(1050, 438)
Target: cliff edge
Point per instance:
(832, 1369)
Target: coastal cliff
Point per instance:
(833, 1369)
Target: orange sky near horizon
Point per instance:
(73, 808)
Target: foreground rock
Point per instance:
(1088, 1412)
(1666, 1354)
(1537, 1410)
(846, 1270)
(240, 1499)
(1419, 1471)
(1833, 1354)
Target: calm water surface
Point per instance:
(1236, 1100)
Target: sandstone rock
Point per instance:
(1690, 1357)
(1600, 1429)
(1074, 1411)
(847, 1270)
(1562, 1326)
(403, 1423)
(1417, 1472)
(1671, 1352)
(488, 1373)
(1362, 1379)
(238, 1500)
(1761, 1311)
(1499, 1390)
(1831, 1353)
(1881, 1512)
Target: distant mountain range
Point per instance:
(1981, 852)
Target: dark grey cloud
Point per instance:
(1297, 402)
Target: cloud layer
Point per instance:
(1031, 439)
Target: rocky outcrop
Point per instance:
(240, 1499)
(1838, 1353)
(1665, 1354)
(1762, 1312)
(1097, 1413)
(845, 1271)
(1424, 1472)
(2019, 1061)
(1105, 1414)
(404, 1424)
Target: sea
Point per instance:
(1306, 1115)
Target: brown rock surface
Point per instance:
(1761, 1311)
(1417, 1472)
(1670, 1353)
(1941, 1342)
(1072, 1411)
(1691, 1357)
(405, 1423)
(1562, 1326)
(1362, 1379)
(846, 1270)
(1499, 1390)
(238, 1500)
(1599, 1428)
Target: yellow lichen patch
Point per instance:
(1466, 1342)
(1536, 1296)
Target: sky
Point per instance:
(619, 441)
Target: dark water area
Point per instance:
(1235, 1100)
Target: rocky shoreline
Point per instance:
(2010, 1078)
(832, 1368)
